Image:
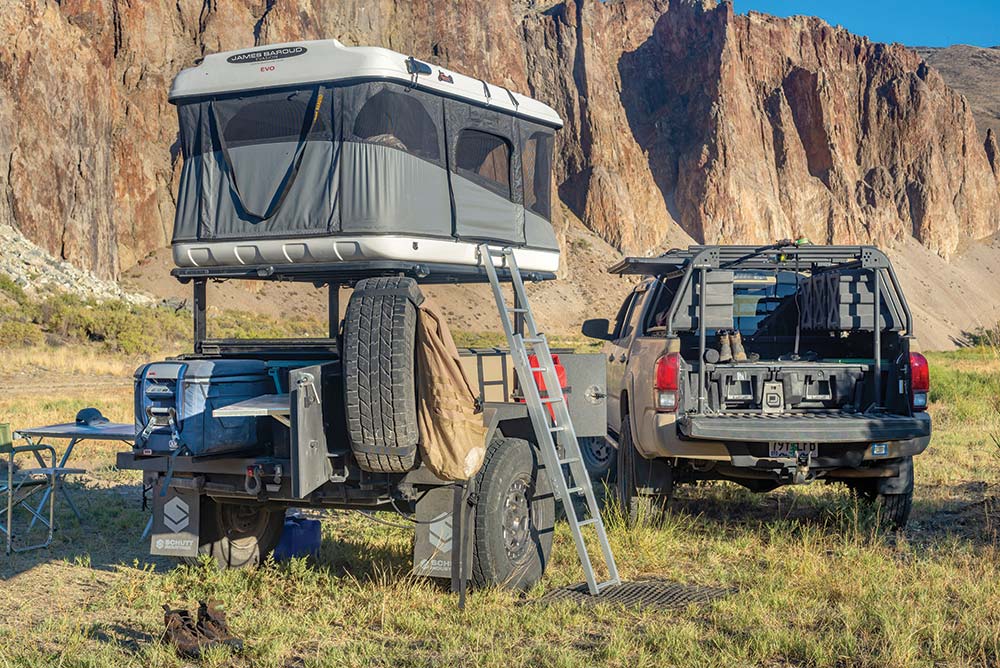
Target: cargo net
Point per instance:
(837, 301)
(658, 594)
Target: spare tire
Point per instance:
(379, 385)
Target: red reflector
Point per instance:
(668, 373)
(920, 373)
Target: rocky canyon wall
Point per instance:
(682, 120)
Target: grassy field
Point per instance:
(815, 584)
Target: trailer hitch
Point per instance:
(802, 461)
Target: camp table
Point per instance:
(74, 432)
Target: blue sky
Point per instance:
(912, 22)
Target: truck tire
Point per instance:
(625, 489)
(642, 489)
(379, 383)
(237, 535)
(892, 498)
(513, 518)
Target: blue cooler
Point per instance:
(174, 403)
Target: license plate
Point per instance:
(791, 450)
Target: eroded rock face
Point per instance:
(682, 120)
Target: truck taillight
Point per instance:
(920, 381)
(668, 375)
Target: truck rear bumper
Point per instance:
(832, 427)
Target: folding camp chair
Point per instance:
(18, 489)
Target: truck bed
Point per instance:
(805, 427)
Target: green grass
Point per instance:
(815, 582)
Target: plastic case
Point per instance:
(194, 389)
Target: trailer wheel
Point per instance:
(599, 457)
(379, 382)
(514, 517)
(238, 535)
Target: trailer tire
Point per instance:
(379, 379)
(237, 535)
(599, 457)
(514, 517)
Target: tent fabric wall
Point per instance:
(385, 190)
(363, 158)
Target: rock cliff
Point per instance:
(683, 120)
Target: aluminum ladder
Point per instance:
(555, 421)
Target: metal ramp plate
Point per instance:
(658, 594)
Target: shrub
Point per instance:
(118, 325)
(14, 334)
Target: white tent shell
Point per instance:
(329, 60)
(315, 152)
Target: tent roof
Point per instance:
(278, 65)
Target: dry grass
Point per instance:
(817, 584)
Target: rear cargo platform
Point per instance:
(828, 427)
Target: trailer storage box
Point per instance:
(194, 389)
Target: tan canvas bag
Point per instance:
(452, 435)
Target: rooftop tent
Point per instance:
(316, 152)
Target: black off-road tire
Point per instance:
(634, 472)
(893, 507)
(513, 518)
(625, 489)
(237, 535)
(379, 382)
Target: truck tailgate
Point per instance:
(813, 427)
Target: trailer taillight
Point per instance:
(668, 375)
(920, 381)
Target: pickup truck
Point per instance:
(783, 364)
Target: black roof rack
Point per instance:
(782, 255)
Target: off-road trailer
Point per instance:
(362, 167)
(231, 505)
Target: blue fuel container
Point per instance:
(301, 537)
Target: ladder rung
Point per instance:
(538, 368)
(557, 429)
(513, 309)
(550, 400)
(534, 339)
(574, 490)
(569, 460)
(587, 522)
(604, 585)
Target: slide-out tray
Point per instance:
(277, 406)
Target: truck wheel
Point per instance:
(599, 457)
(379, 386)
(891, 497)
(625, 488)
(238, 535)
(514, 517)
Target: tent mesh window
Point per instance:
(397, 120)
(536, 162)
(274, 118)
(485, 158)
